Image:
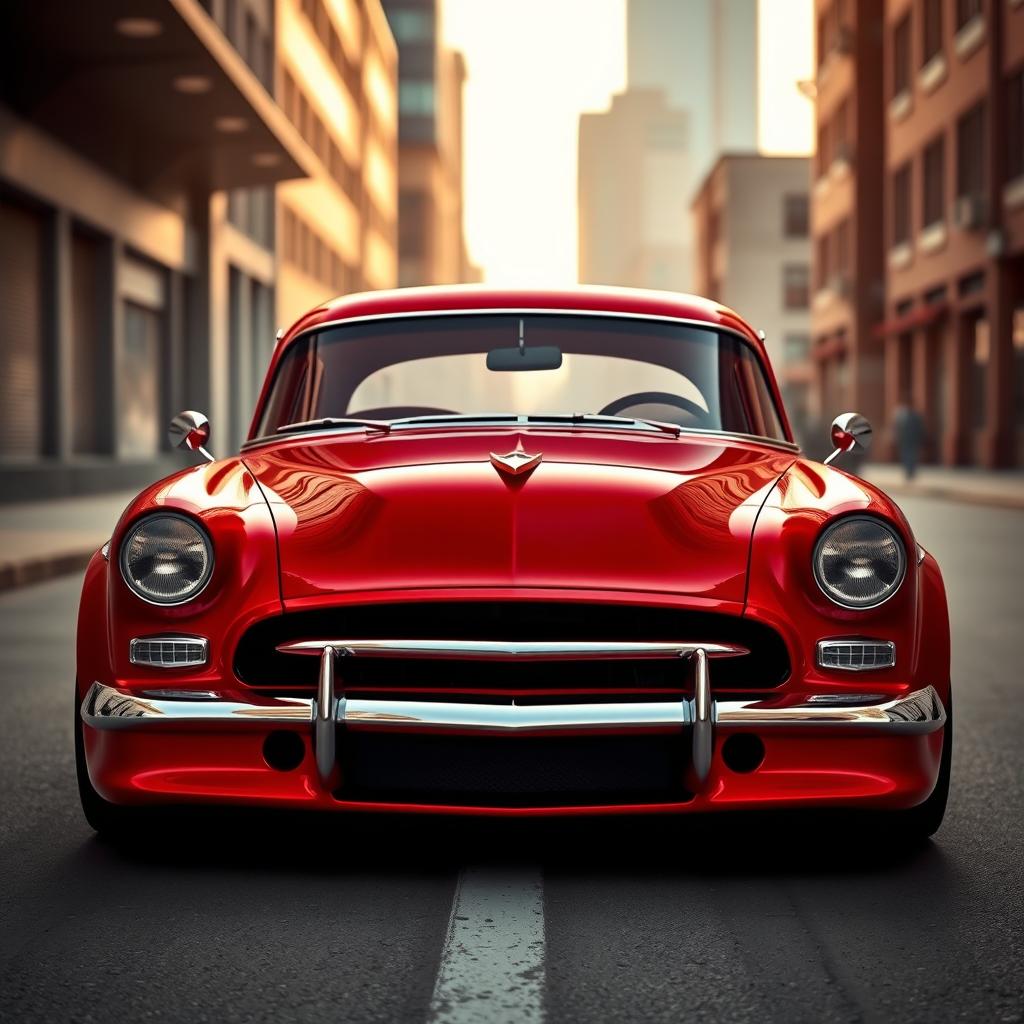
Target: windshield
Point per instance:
(526, 365)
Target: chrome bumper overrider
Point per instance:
(919, 712)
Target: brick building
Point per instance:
(846, 211)
(954, 224)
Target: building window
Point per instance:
(840, 136)
(796, 348)
(1015, 127)
(933, 206)
(795, 215)
(1018, 364)
(795, 286)
(901, 213)
(824, 267)
(970, 152)
(931, 37)
(416, 97)
(842, 253)
(979, 371)
(965, 10)
(901, 56)
(823, 37)
(411, 26)
(824, 149)
(138, 369)
(412, 224)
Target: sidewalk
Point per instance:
(972, 486)
(40, 540)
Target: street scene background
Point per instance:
(181, 179)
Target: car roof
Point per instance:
(582, 298)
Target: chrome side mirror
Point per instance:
(850, 430)
(190, 430)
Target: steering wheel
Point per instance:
(692, 409)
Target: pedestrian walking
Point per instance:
(909, 427)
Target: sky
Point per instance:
(533, 67)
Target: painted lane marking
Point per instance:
(492, 966)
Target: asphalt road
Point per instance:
(355, 920)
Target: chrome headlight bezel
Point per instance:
(839, 599)
(128, 576)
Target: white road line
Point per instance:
(492, 967)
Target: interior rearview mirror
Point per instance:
(538, 357)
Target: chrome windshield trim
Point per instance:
(545, 311)
(502, 650)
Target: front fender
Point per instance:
(782, 589)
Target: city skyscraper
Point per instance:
(634, 224)
(703, 55)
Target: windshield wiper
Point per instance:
(334, 421)
(459, 417)
(596, 419)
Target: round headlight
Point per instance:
(859, 562)
(166, 558)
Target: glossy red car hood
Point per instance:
(620, 510)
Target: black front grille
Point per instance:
(260, 665)
(513, 771)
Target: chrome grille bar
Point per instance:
(502, 650)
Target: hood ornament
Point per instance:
(515, 463)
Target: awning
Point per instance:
(149, 90)
(922, 316)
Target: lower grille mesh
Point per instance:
(512, 771)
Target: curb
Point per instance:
(45, 567)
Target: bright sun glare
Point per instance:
(534, 66)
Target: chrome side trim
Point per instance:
(916, 713)
(501, 650)
(414, 314)
(107, 708)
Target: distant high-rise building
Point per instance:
(432, 244)
(752, 252)
(337, 72)
(633, 208)
(703, 55)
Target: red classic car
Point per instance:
(515, 552)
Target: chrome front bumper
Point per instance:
(916, 713)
